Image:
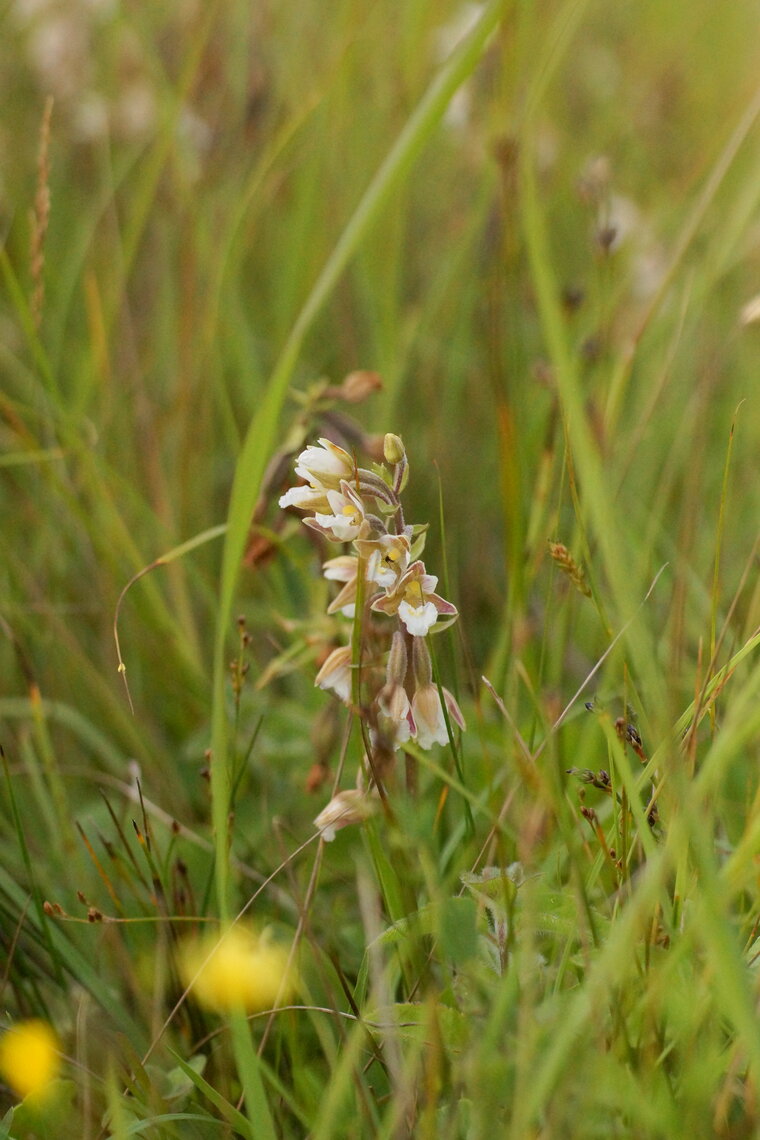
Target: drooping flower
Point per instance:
(387, 558)
(29, 1058)
(335, 673)
(344, 569)
(427, 711)
(427, 707)
(304, 499)
(395, 721)
(396, 716)
(350, 806)
(325, 466)
(237, 969)
(415, 601)
(346, 518)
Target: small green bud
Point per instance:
(393, 449)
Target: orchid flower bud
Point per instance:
(393, 449)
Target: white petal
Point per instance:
(319, 461)
(428, 715)
(326, 464)
(428, 735)
(418, 619)
(344, 528)
(384, 576)
(341, 569)
(305, 498)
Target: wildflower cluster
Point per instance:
(363, 507)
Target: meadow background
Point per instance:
(545, 239)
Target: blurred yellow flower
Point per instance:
(29, 1058)
(238, 969)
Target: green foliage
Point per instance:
(544, 239)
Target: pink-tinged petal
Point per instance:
(350, 492)
(453, 709)
(405, 730)
(414, 570)
(441, 605)
(385, 604)
(314, 524)
(417, 571)
(416, 581)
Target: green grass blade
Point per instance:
(238, 1121)
(249, 1072)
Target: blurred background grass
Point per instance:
(203, 162)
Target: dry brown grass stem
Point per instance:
(40, 216)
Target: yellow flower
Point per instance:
(29, 1058)
(236, 970)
